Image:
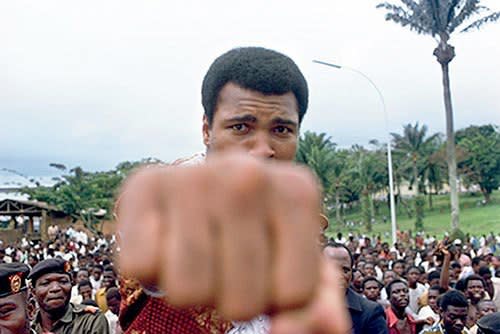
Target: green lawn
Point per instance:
(475, 218)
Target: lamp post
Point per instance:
(389, 155)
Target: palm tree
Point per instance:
(413, 146)
(440, 19)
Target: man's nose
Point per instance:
(54, 286)
(261, 147)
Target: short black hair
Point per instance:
(453, 298)
(368, 279)
(483, 271)
(474, 278)
(435, 274)
(475, 261)
(258, 69)
(113, 292)
(334, 244)
(84, 283)
(391, 283)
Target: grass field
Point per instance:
(475, 218)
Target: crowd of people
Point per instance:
(421, 285)
(417, 279)
(233, 236)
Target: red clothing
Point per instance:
(392, 321)
(142, 314)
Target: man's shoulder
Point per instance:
(89, 318)
(82, 309)
(359, 303)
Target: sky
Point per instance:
(94, 83)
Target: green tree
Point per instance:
(440, 19)
(83, 195)
(413, 147)
(368, 170)
(481, 162)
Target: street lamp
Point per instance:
(389, 155)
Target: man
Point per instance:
(96, 277)
(14, 306)
(84, 292)
(398, 321)
(474, 291)
(432, 308)
(228, 231)
(484, 307)
(108, 281)
(416, 289)
(51, 286)
(453, 307)
(367, 316)
(371, 288)
(81, 275)
(113, 299)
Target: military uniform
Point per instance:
(77, 319)
(13, 281)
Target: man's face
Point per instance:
(399, 295)
(475, 290)
(108, 279)
(389, 276)
(52, 292)
(82, 275)
(398, 268)
(372, 290)
(413, 276)
(485, 308)
(14, 314)
(340, 258)
(97, 272)
(454, 319)
(85, 291)
(369, 269)
(264, 126)
(432, 299)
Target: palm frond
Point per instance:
(482, 21)
(469, 9)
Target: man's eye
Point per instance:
(282, 130)
(239, 128)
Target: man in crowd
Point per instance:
(371, 288)
(453, 307)
(398, 321)
(84, 291)
(474, 291)
(484, 307)
(108, 281)
(416, 289)
(367, 316)
(432, 307)
(14, 306)
(51, 286)
(113, 299)
(489, 324)
(245, 222)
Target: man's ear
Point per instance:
(206, 131)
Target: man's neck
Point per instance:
(49, 319)
(400, 313)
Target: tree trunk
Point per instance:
(337, 206)
(450, 149)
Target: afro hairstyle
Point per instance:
(254, 68)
